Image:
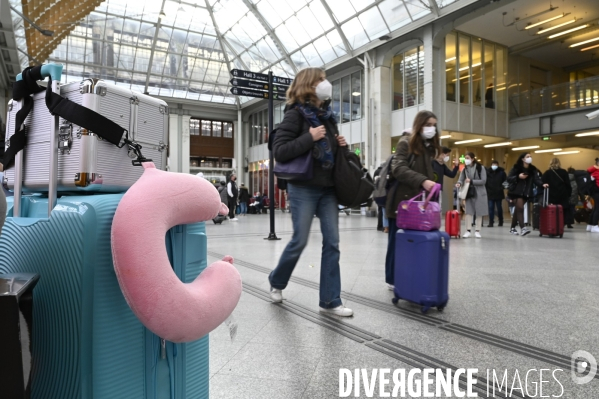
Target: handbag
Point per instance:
(463, 194)
(299, 168)
(420, 215)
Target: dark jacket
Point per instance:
(441, 170)
(574, 186)
(495, 179)
(559, 186)
(222, 191)
(233, 186)
(523, 187)
(293, 139)
(244, 194)
(409, 173)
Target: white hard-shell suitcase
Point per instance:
(86, 162)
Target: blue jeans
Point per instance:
(390, 259)
(307, 202)
(385, 220)
(495, 204)
(244, 207)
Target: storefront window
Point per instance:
(336, 101)
(450, 67)
(356, 89)
(398, 89)
(345, 102)
(228, 130)
(206, 128)
(477, 77)
(217, 129)
(408, 78)
(501, 60)
(489, 76)
(464, 71)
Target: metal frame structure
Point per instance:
(191, 51)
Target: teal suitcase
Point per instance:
(86, 341)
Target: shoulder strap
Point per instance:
(557, 174)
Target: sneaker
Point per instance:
(466, 234)
(514, 231)
(391, 287)
(234, 219)
(338, 311)
(589, 227)
(276, 295)
(477, 234)
(524, 232)
(595, 229)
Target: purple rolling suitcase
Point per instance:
(422, 268)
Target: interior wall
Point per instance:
(519, 74)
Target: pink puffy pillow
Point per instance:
(171, 309)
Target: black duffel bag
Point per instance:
(353, 184)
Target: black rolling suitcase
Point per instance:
(536, 215)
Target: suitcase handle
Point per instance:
(52, 70)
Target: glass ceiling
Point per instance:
(185, 50)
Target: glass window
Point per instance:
(476, 72)
(194, 127)
(398, 89)
(501, 59)
(228, 130)
(356, 95)
(217, 128)
(337, 99)
(345, 102)
(464, 71)
(206, 125)
(420, 75)
(411, 77)
(489, 76)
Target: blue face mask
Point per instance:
(494, 167)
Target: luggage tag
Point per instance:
(231, 324)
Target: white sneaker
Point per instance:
(391, 287)
(589, 227)
(466, 235)
(338, 311)
(595, 229)
(234, 219)
(276, 295)
(477, 234)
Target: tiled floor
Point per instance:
(516, 303)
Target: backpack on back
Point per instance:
(381, 183)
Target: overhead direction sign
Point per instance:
(281, 81)
(249, 84)
(239, 91)
(238, 73)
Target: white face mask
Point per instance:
(468, 162)
(429, 132)
(528, 160)
(494, 167)
(446, 159)
(324, 90)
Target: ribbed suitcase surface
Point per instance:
(452, 223)
(87, 343)
(552, 221)
(422, 268)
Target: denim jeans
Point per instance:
(390, 259)
(495, 204)
(244, 207)
(307, 202)
(385, 220)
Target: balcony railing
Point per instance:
(571, 95)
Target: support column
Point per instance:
(185, 144)
(174, 142)
(429, 59)
(239, 152)
(380, 112)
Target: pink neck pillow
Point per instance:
(171, 309)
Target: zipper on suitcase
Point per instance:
(162, 348)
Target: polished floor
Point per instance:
(516, 304)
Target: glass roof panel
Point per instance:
(373, 23)
(417, 8)
(359, 5)
(325, 49)
(286, 38)
(228, 12)
(312, 56)
(444, 3)
(296, 5)
(395, 14)
(294, 25)
(274, 11)
(342, 9)
(299, 60)
(337, 43)
(354, 33)
(309, 23)
(321, 15)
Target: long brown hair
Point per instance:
(416, 140)
(302, 86)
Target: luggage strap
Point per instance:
(67, 109)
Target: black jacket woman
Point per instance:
(560, 192)
(523, 176)
(412, 172)
(309, 126)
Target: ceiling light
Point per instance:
(356, 94)
(589, 48)
(542, 31)
(162, 14)
(497, 144)
(566, 152)
(530, 147)
(464, 68)
(450, 59)
(475, 65)
(447, 136)
(568, 31)
(545, 21)
(585, 42)
(468, 141)
(587, 134)
(553, 150)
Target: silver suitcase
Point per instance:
(85, 161)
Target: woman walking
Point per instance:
(523, 176)
(475, 175)
(413, 170)
(309, 126)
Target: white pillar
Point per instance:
(185, 144)
(429, 58)
(174, 159)
(380, 112)
(239, 150)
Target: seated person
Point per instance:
(259, 201)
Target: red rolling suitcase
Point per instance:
(551, 218)
(452, 223)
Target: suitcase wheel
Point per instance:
(440, 308)
(395, 300)
(425, 309)
(561, 236)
